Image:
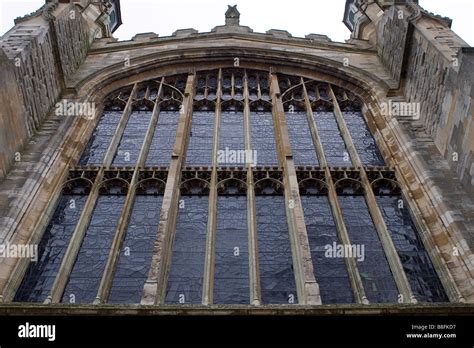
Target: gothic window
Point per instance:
(40, 275)
(362, 138)
(132, 139)
(373, 266)
(277, 279)
(164, 194)
(263, 139)
(100, 140)
(418, 267)
(231, 137)
(136, 251)
(300, 138)
(187, 265)
(162, 142)
(335, 149)
(329, 270)
(200, 139)
(231, 280)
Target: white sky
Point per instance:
(299, 17)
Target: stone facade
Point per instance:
(385, 60)
(42, 50)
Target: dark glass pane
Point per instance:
(373, 267)
(132, 139)
(137, 248)
(189, 250)
(333, 144)
(277, 279)
(231, 281)
(200, 140)
(90, 263)
(101, 138)
(301, 142)
(330, 272)
(231, 150)
(363, 140)
(161, 146)
(39, 277)
(263, 139)
(420, 272)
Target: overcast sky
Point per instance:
(299, 17)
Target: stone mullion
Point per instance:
(81, 227)
(306, 285)
(112, 149)
(155, 285)
(393, 259)
(351, 264)
(114, 254)
(318, 146)
(441, 266)
(209, 261)
(254, 275)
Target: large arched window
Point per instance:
(231, 186)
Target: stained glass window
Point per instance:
(87, 271)
(187, 264)
(216, 223)
(231, 281)
(101, 138)
(275, 258)
(420, 272)
(263, 139)
(40, 275)
(329, 270)
(136, 251)
(162, 143)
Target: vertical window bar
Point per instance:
(306, 285)
(254, 277)
(154, 291)
(354, 275)
(208, 277)
(114, 253)
(389, 248)
(81, 227)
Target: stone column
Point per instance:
(254, 274)
(155, 286)
(306, 285)
(209, 262)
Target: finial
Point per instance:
(232, 16)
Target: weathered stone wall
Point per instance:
(10, 127)
(29, 48)
(41, 50)
(455, 133)
(391, 38)
(439, 75)
(73, 39)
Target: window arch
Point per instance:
(219, 186)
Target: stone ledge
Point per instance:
(444, 309)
